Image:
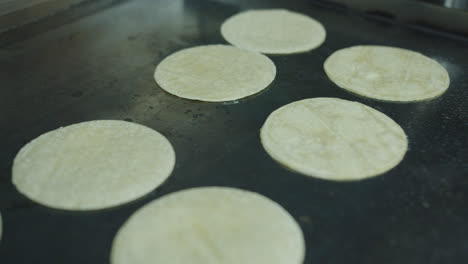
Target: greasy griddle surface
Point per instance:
(101, 67)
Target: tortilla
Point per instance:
(333, 139)
(93, 165)
(215, 73)
(273, 31)
(210, 225)
(387, 73)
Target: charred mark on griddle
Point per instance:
(77, 94)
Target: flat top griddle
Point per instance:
(101, 65)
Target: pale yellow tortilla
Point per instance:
(273, 31)
(210, 225)
(93, 165)
(387, 73)
(215, 73)
(333, 139)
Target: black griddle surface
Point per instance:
(100, 66)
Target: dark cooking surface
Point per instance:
(101, 67)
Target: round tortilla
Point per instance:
(215, 73)
(273, 31)
(93, 165)
(210, 225)
(387, 73)
(333, 139)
